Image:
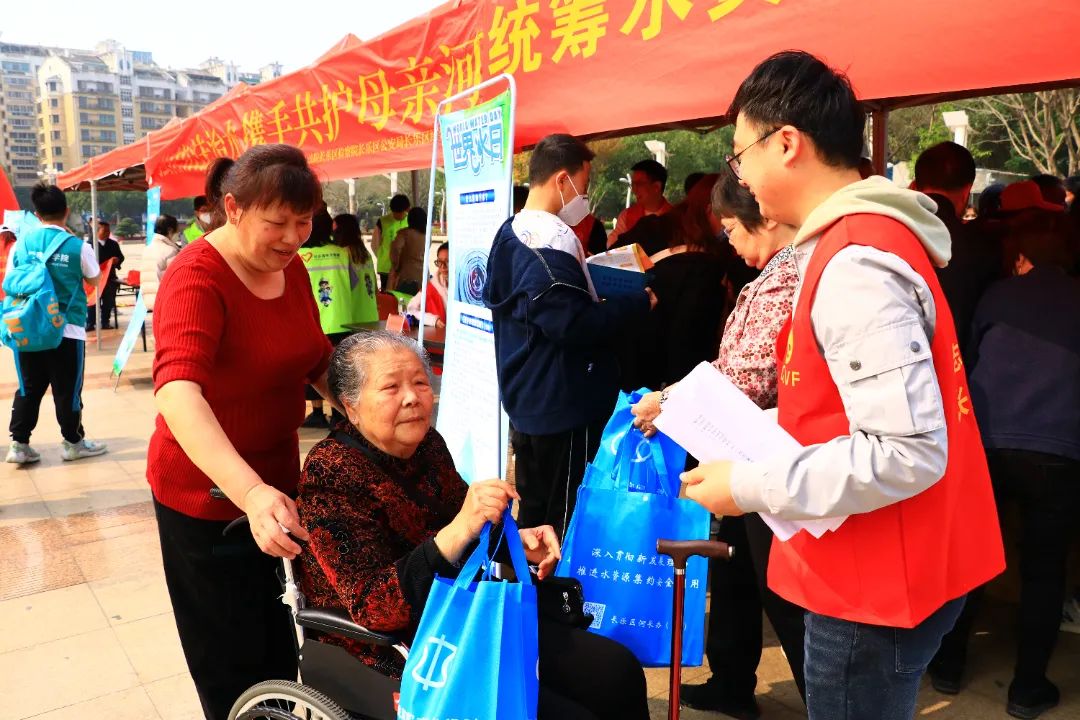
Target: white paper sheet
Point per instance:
(713, 420)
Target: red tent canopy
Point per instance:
(591, 67)
(123, 168)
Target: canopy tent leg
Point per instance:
(97, 253)
(879, 123)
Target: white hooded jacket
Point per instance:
(873, 317)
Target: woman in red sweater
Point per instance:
(238, 336)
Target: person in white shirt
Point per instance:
(60, 368)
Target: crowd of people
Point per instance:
(911, 340)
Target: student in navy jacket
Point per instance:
(558, 376)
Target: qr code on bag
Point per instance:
(597, 611)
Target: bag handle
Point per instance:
(480, 557)
(627, 457)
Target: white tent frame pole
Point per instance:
(97, 255)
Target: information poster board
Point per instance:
(478, 161)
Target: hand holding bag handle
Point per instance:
(481, 558)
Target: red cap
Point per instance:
(1026, 195)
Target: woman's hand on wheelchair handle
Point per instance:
(272, 515)
(541, 548)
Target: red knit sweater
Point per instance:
(251, 358)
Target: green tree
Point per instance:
(128, 228)
(1041, 129)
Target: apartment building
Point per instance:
(60, 107)
(19, 65)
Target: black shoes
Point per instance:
(708, 696)
(1029, 703)
(946, 680)
(315, 420)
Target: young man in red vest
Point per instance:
(873, 386)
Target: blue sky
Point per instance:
(183, 34)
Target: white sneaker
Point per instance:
(83, 449)
(22, 454)
(1070, 614)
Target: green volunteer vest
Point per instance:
(343, 294)
(65, 268)
(390, 228)
(193, 232)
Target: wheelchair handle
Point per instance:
(682, 550)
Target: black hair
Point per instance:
(265, 175)
(417, 219)
(990, 200)
(731, 199)
(199, 202)
(654, 170)
(1042, 236)
(443, 246)
(399, 203)
(1072, 184)
(691, 180)
(1051, 187)
(166, 225)
(521, 194)
(322, 229)
(556, 153)
(104, 224)
(347, 235)
(795, 88)
(945, 166)
(49, 201)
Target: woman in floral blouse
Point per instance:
(748, 358)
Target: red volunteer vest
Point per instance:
(897, 565)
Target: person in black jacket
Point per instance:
(558, 374)
(946, 172)
(688, 278)
(1024, 369)
(108, 249)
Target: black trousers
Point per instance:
(61, 369)
(588, 677)
(233, 628)
(108, 306)
(1046, 490)
(739, 592)
(548, 471)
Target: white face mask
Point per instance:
(576, 210)
(205, 218)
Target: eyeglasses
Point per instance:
(441, 263)
(733, 160)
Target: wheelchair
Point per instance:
(333, 685)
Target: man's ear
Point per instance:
(794, 144)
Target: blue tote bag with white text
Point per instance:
(627, 501)
(476, 651)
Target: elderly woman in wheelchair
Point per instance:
(387, 511)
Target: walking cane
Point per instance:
(680, 551)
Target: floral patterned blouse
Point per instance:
(748, 348)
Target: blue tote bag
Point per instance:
(627, 501)
(476, 651)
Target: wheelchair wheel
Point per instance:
(284, 700)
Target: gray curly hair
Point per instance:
(350, 363)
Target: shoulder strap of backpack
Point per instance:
(59, 238)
